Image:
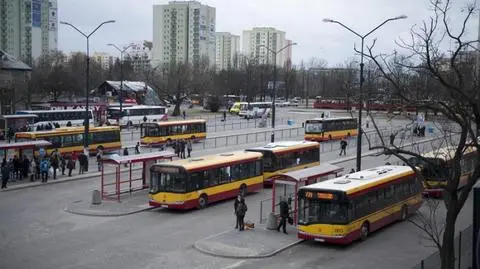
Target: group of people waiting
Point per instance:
(180, 146)
(41, 167)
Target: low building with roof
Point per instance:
(14, 75)
(139, 91)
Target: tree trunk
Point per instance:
(176, 110)
(447, 251)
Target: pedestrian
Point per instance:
(11, 168)
(10, 134)
(125, 153)
(44, 166)
(284, 214)
(137, 148)
(70, 165)
(177, 148)
(352, 171)
(184, 114)
(99, 160)
(241, 211)
(33, 168)
(26, 166)
(5, 174)
(343, 147)
(37, 168)
(63, 164)
(224, 115)
(54, 164)
(392, 139)
(182, 149)
(81, 163)
(16, 167)
(235, 205)
(189, 147)
(145, 119)
(367, 123)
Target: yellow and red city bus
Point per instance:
(155, 133)
(436, 168)
(70, 139)
(324, 129)
(350, 207)
(196, 182)
(284, 156)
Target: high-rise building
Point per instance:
(139, 55)
(255, 41)
(104, 59)
(28, 28)
(183, 32)
(227, 50)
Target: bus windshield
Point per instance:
(313, 211)
(168, 182)
(433, 169)
(313, 127)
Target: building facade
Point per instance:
(227, 51)
(183, 32)
(139, 55)
(255, 41)
(104, 59)
(28, 28)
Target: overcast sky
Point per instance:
(300, 19)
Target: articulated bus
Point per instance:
(196, 182)
(323, 129)
(76, 117)
(285, 156)
(165, 132)
(436, 168)
(70, 139)
(135, 115)
(350, 207)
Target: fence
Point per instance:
(463, 252)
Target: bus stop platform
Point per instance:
(248, 244)
(130, 204)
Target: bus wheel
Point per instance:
(348, 135)
(364, 231)
(404, 214)
(130, 123)
(243, 190)
(169, 142)
(202, 201)
(192, 138)
(329, 137)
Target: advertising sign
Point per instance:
(36, 13)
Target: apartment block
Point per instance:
(256, 41)
(227, 51)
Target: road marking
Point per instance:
(235, 265)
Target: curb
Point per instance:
(273, 253)
(99, 214)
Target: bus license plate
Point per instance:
(165, 206)
(319, 239)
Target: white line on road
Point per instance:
(234, 265)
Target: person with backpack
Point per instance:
(343, 147)
(241, 211)
(44, 166)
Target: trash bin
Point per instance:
(290, 122)
(272, 221)
(96, 197)
(430, 130)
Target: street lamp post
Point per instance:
(274, 82)
(121, 71)
(87, 80)
(362, 37)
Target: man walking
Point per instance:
(343, 147)
(137, 148)
(44, 169)
(283, 216)
(235, 206)
(189, 148)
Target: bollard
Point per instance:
(96, 197)
(272, 221)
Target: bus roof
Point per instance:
(135, 107)
(285, 146)
(365, 179)
(213, 160)
(26, 144)
(446, 153)
(19, 116)
(65, 130)
(331, 119)
(50, 111)
(167, 123)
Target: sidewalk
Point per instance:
(129, 204)
(256, 243)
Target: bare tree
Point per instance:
(457, 99)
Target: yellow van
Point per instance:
(237, 106)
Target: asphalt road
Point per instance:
(35, 232)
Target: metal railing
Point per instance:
(463, 243)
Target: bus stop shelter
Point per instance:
(15, 122)
(113, 188)
(286, 185)
(8, 150)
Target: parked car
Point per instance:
(294, 103)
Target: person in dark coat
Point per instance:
(182, 149)
(81, 163)
(54, 164)
(16, 167)
(5, 174)
(137, 148)
(63, 165)
(283, 216)
(241, 211)
(125, 153)
(26, 166)
(343, 147)
(235, 205)
(70, 165)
